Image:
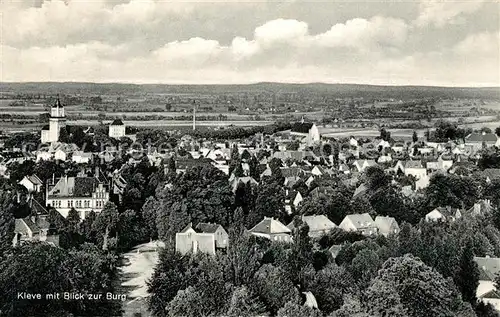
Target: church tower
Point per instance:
(57, 121)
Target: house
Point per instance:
(386, 225)
(486, 291)
(32, 183)
(318, 171)
(319, 225)
(362, 165)
(344, 169)
(335, 250)
(481, 207)
(361, 223)
(413, 168)
(205, 237)
(479, 140)
(443, 214)
(81, 192)
(293, 198)
(491, 174)
(80, 157)
(117, 129)
(272, 229)
(34, 227)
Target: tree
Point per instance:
(269, 202)
(168, 278)
(150, 211)
(274, 287)
(467, 278)
(364, 266)
(330, 285)
(292, 309)
(244, 303)
(73, 219)
(106, 223)
(187, 303)
(7, 221)
(497, 131)
(38, 268)
(405, 286)
(243, 258)
(415, 137)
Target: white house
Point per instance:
(80, 192)
(293, 199)
(361, 223)
(386, 225)
(318, 225)
(362, 165)
(486, 291)
(32, 183)
(272, 229)
(117, 129)
(443, 214)
(80, 157)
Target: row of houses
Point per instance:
(207, 237)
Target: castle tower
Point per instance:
(57, 121)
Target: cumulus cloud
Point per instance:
(442, 12)
(178, 41)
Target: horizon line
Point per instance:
(251, 83)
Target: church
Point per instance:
(57, 120)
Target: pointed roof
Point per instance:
(488, 267)
(269, 226)
(203, 227)
(58, 103)
(117, 122)
(385, 224)
(316, 223)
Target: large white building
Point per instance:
(82, 193)
(117, 129)
(57, 120)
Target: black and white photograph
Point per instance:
(258, 158)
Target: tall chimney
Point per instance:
(194, 116)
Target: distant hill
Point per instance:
(338, 90)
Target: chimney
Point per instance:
(96, 173)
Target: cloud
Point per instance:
(233, 41)
(442, 12)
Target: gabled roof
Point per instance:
(74, 187)
(117, 122)
(481, 137)
(270, 226)
(207, 227)
(491, 173)
(488, 267)
(385, 224)
(447, 211)
(20, 223)
(413, 164)
(360, 190)
(34, 179)
(315, 223)
(361, 220)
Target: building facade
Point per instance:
(57, 120)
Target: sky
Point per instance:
(410, 42)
